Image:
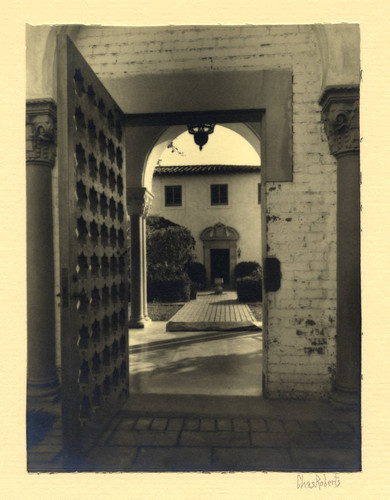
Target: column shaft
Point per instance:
(136, 272)
(144, 271)
(340, 113)
(139, 201)
(42, 379)
(348, 273)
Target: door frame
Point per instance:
(219, 237)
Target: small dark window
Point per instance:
(259, 193)
(173, 196)
(219, 194)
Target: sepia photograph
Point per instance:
(194, 249)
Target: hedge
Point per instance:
(170, 290)
(249, 289)
(247, 268)
(197, 274)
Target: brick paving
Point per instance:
(210, 307)
(152, 443)
(207, 443)
(211, 312)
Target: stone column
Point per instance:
(138, 203)
(340, 114)
(42, 379)
(144, 265)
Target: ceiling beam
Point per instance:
(193, 117)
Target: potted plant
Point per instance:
(218, 282)
(194, 287)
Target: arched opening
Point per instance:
(226, 232)
(248, 132)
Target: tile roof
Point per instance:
(206, 169)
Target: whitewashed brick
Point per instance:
(305, 245)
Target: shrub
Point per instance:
(156, 222)
(194, 287)
(249, 268)
(197, 274)
(249, 289)
(174, 289)
(168, 250)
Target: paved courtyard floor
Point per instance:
(216, 434)
(209, 363)
(195, 405)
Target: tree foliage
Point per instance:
(169, 249)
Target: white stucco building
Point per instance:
(220, 205)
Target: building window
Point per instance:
(219, 194)
(259, 193)
(173, 196)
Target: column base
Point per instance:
(345, 400)
(41, 390)
(136, 323)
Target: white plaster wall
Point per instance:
(196, 213)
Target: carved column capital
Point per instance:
(41, 132)
(139, 201)
(340, 115)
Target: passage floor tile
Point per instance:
(341, 440)
(144, 438)
(327, 459)
(252, 459)
(110, 458)
(305, 440)
(175, 424)
(178, 458)
(222, 438)
(270, 439)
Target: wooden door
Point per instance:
(220, 264)
(93, 254)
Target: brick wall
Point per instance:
(301, 216)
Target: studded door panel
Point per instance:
(93, 253)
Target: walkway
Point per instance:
(195, 405)
(230, 435)
(213, 312)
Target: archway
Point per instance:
(248, 131)
(151, 142)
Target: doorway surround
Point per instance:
(219, 237)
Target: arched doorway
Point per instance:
(220, 252)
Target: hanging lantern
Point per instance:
(201, 133)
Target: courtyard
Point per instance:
(196, 405)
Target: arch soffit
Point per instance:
(41, 67)
(338, 47)
(168, 134)
(219, 232)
